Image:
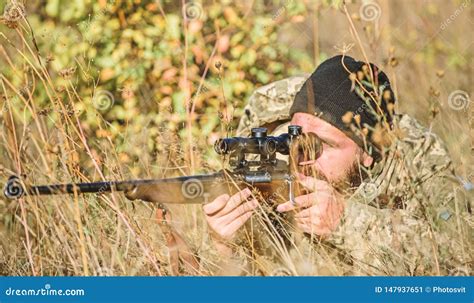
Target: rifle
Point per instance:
(267, 173)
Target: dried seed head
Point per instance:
(357, 119)
(13, 13)
(66, 73)
(434, 110)
(365, 131)
(434, 92)
(381, 136)
(391, 107)
(365, 68)
(352, 77)
(387, 96)
(49, 58)
(393, 62)
(127, 93)
(347, 118)
(355, 17)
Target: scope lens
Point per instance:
(221, 147)
(269, 147)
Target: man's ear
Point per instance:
(367, 160)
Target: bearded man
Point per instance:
(381, 199)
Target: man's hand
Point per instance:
(225, 215)
(318, 212)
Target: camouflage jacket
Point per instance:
(411, 217)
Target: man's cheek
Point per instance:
(331, 164)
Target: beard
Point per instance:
(351, 179)
(308, 149)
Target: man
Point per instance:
(382, 197)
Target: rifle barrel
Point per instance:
(178, 190)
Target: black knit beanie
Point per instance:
(349, 98)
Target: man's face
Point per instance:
(340, 158)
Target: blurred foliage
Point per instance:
(143, 66)
(138, 53)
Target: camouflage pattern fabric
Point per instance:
(411, 217)
(270, 103)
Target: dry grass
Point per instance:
(109, 235)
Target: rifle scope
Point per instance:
(258, 142)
